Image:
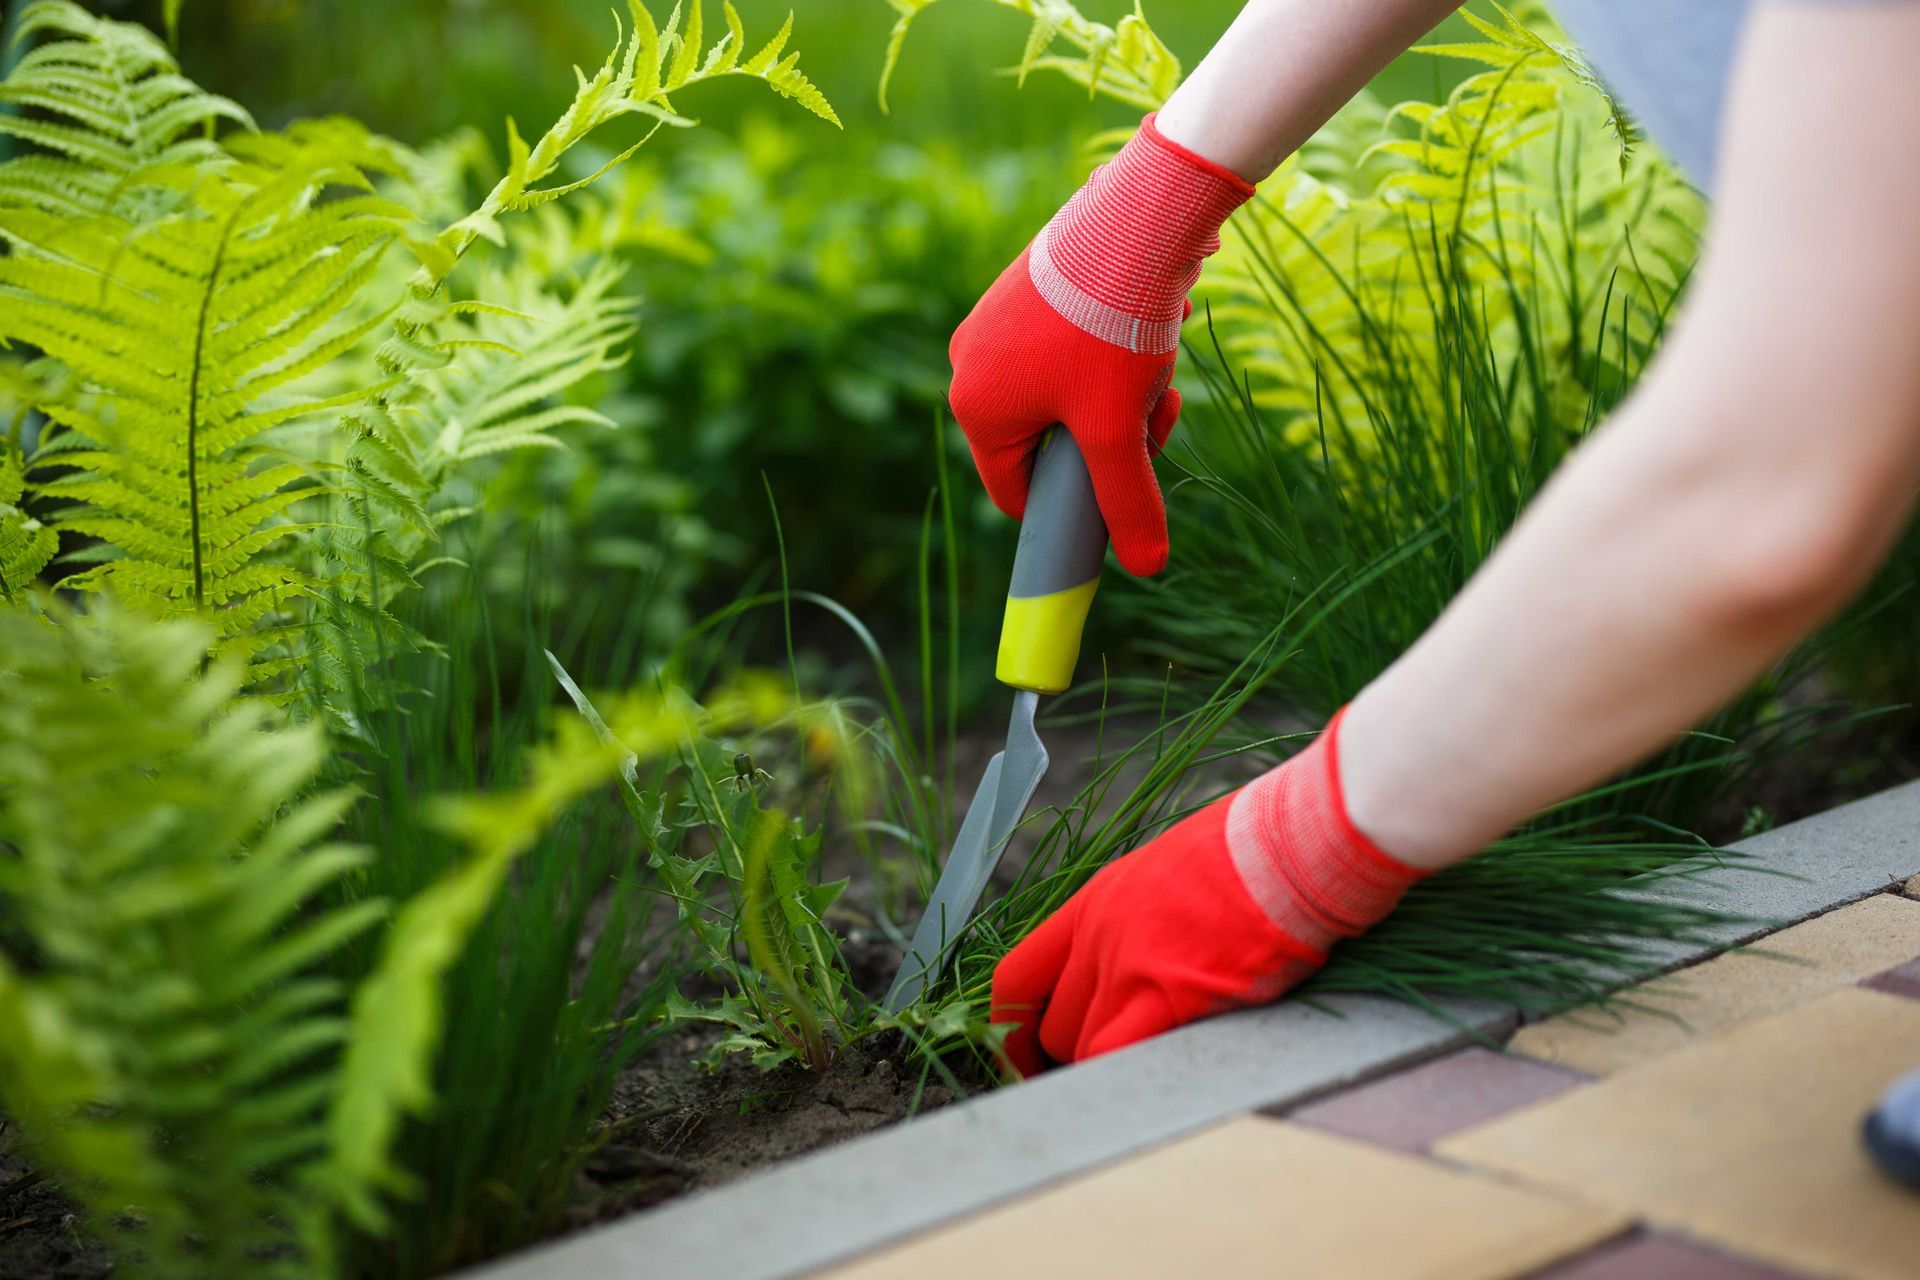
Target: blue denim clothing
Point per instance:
(1669, 62)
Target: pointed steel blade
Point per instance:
(1006, 788)
(930, 935)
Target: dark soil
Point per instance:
(675, 1128)
(40, 1236)
(1845, 762)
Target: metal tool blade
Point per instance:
(1006, 789)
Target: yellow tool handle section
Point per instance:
(1040, 638)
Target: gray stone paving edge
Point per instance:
(1808, 867)
(835, 1204)
(848, 1199)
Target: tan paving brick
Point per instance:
(1829, 951)
(1258, 1197)
(1749, 1141)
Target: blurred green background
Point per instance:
(798, 284)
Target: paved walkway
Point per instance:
(1706, 1131)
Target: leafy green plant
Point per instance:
(26, 545)
(229, 1045)
(745, 879)
(800, 335)
(565, 975)
(185, 463)
(176, 1046)
(329, 1083)
(730, 845)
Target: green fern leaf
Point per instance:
(761, 62)
(1126, 61)
(160, 437)
(687, 46)
(26, 545)
(170, 1052)
(1048, 18)
(118, 102)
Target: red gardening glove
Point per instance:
(1083, 329)
(1231, 907)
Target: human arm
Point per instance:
(1282, 69)
(1744, 492)
(1747, 489)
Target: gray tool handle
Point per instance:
(1056, 571)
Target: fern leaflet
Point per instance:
(115, 104)
(1126, 61)
(26, 545)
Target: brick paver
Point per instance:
(1901, 980)
(1829, 951)
(1644, 1257)
(1413, 1109)
(1710, 1135)
(1749, 1141)
(1259, 1197)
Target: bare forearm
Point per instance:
(1636, 597)
(1282, 69)
(1741, 497)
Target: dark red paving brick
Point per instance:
(1901, 980)
(1656, 1258)
(1413, 1109)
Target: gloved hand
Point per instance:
(1231, 907)
(1083, 329)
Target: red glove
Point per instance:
(1231, 907)
(1083, 329)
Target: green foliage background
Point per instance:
(353, 439)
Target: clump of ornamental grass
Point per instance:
(1556, 914)
(566, 977)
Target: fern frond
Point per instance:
(26, 545)
(112, 103)
(1126, 61)
(170, 469)
(645, 65)
(550, 346)
(166, 869)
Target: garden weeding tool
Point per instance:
(1056, 570)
